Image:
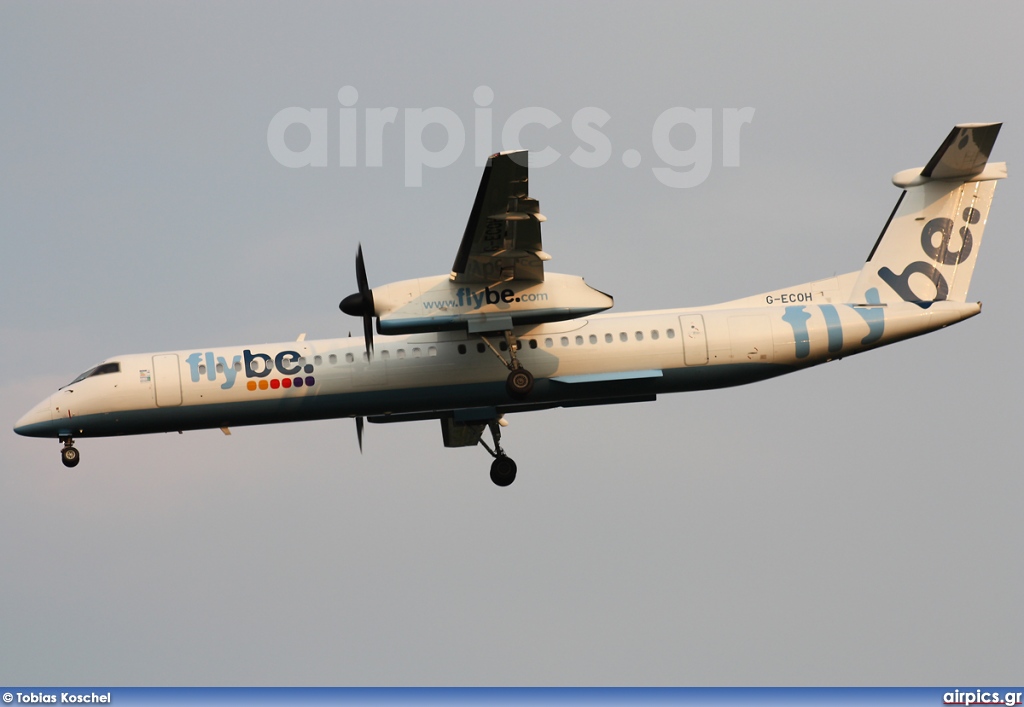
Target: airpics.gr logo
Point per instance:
(288, 364)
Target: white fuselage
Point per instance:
(603, 359)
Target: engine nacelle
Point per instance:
(439, 304)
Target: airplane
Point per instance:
(499, 334)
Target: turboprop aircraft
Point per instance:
(499, 334)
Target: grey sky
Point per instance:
(858, 523)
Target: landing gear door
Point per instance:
(167, 380)
(695, 343)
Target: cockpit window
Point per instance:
(99, 370)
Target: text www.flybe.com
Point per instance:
(465, 297)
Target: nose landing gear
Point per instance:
(69, 455)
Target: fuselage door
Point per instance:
(695, 343)
(167, 380)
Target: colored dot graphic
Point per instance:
(276, 383)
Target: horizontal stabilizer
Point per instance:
(963, 156)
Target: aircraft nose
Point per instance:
(36, 422)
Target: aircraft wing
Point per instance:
(502, 238)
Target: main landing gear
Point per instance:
(519, 383)
(503, 469)
(69, 455)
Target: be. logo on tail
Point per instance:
(938, 253)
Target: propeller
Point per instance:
(360, 304)
(359, 433)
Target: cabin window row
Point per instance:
(579, 340)
(417, 352)
(385, 354)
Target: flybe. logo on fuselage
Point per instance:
(477, 300)
(285, 370)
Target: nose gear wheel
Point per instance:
(69, 455)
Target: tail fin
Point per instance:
(928, 247)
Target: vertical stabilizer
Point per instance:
(928, 247)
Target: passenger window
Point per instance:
(431, 351)
(548, 343)
(533, 343)
(565, 341)
(318, 360)
(579, 341)
(462, 348)
(654, 334)
(333, 359)
(608, 338)
(416, 353)
(480, 348)
(593, 339)
(671, 333)
(349, 358)
(220, 368)
(639, 336)
(623, 336)
(385, 355)
(400, 353)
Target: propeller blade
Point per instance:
(360, 304)
(359, 433)
(367, 296)
(361, 280)
(368, 334)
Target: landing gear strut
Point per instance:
(69, 455)
(519, 383)
(503, 469)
